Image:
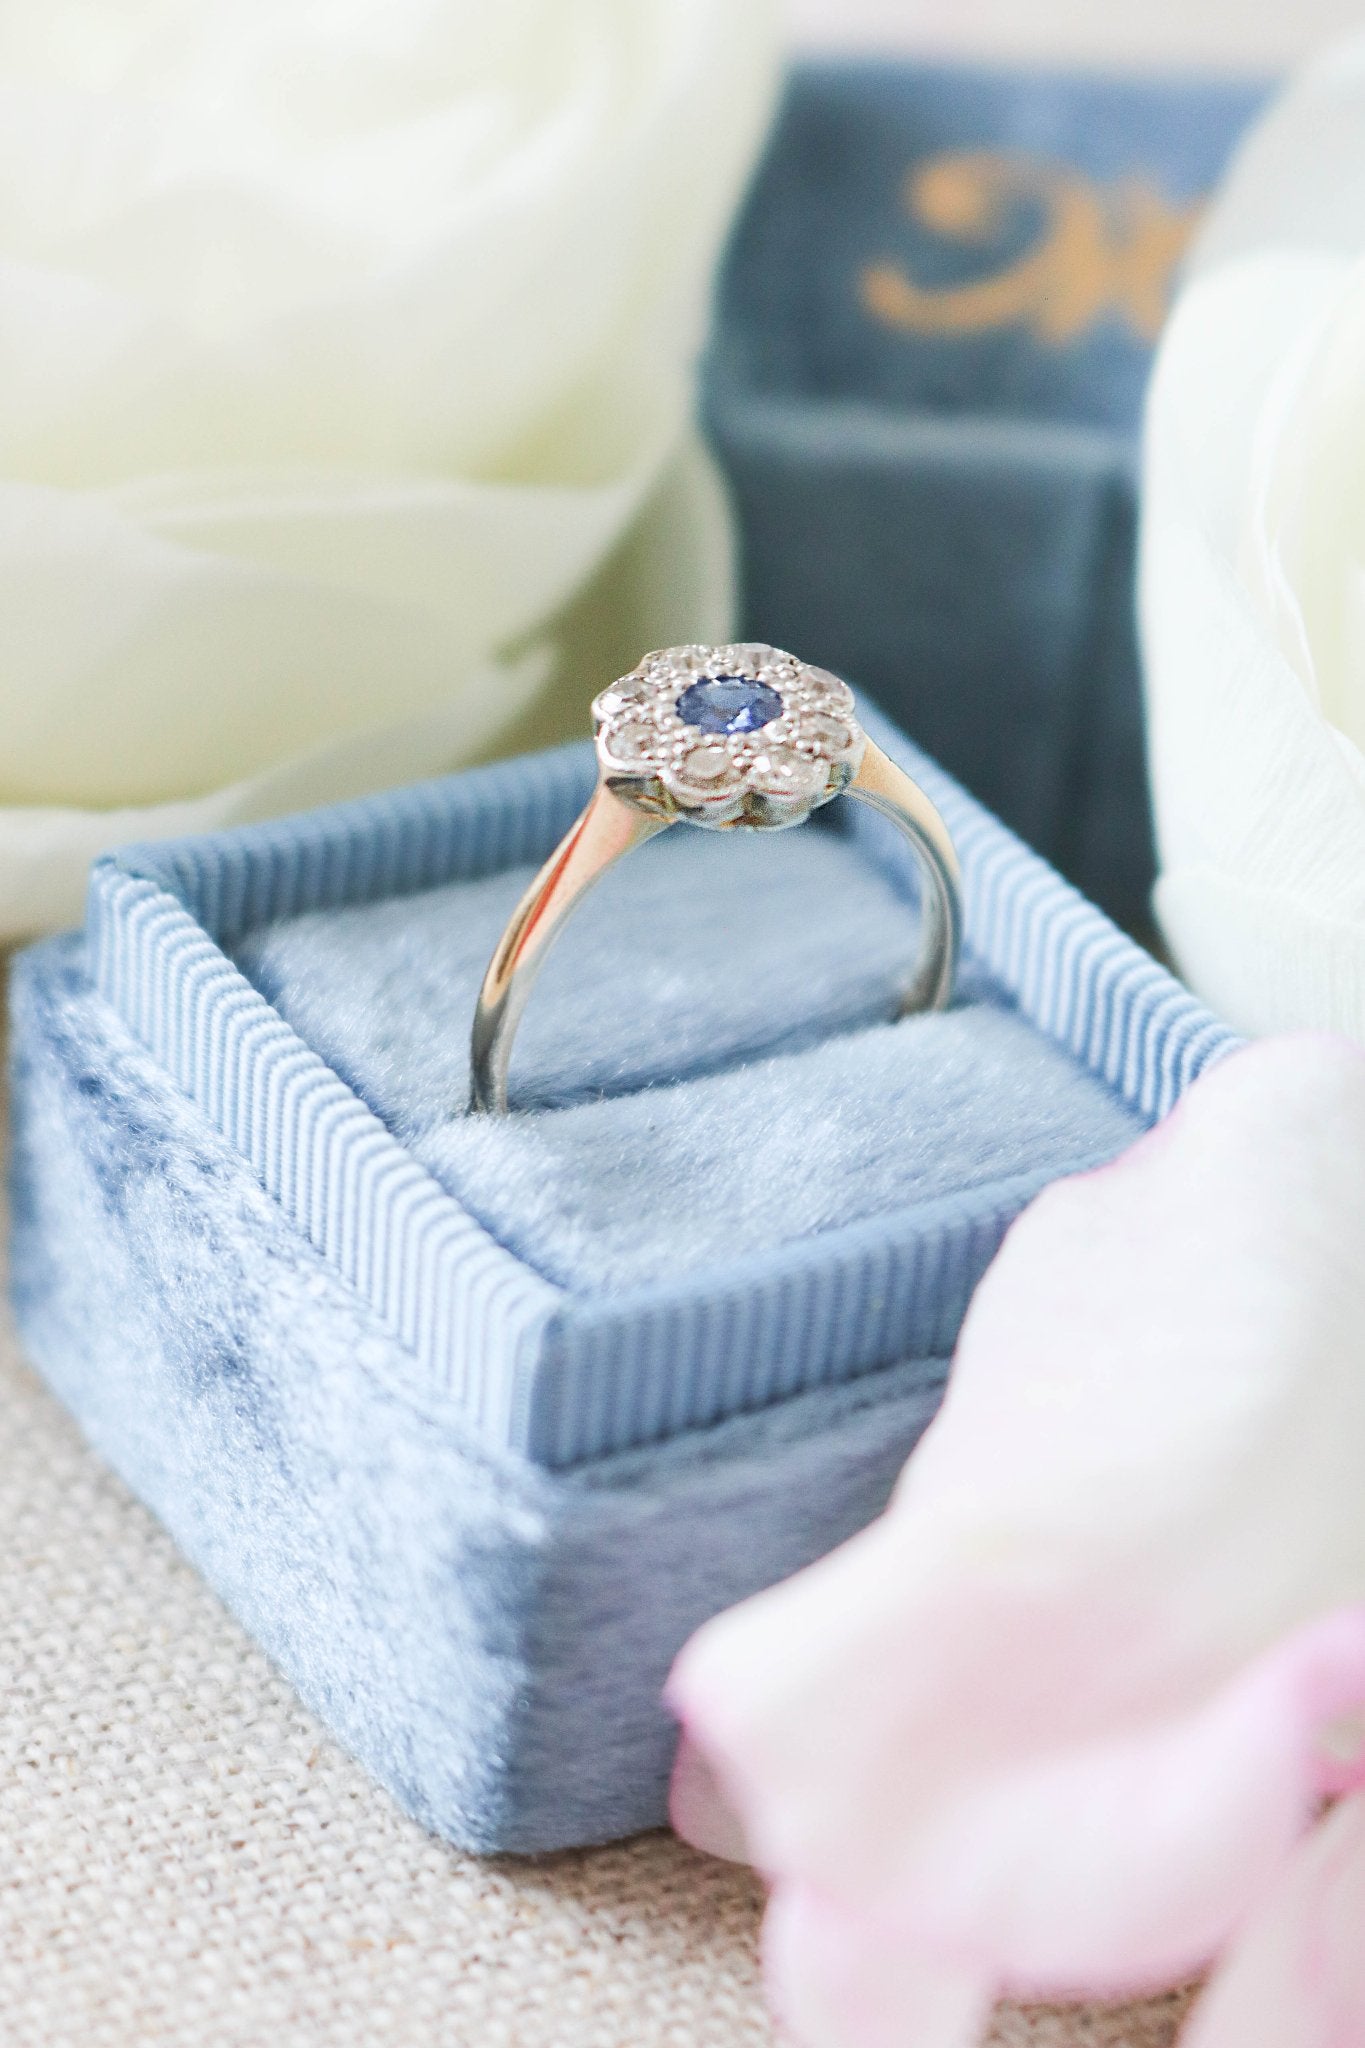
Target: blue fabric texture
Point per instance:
(425, 1399)
(780, 957)
(488, 1637)
(933, 334)
(731, 1175)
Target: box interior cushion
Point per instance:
(709, 1065)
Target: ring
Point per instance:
(724, 737)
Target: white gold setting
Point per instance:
(800, 753)
(717, 736)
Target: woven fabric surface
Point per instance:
(189, 1862)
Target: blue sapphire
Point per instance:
(729, 704)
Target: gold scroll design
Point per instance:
(1104, 250)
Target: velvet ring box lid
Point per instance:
(731, 1173)
(933, 332)
(473, 1422)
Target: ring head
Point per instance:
(740, 735)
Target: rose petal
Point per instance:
(1296, 1979)
(1200, 1810)
(319, 401)
(699, 1809)
(1305, 516)
(300, 620)
(1297, 178)
(838, 1982)
(1103, 1863)
(1261, 894)
(1091, 1617)
(1253, 575)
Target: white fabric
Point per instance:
(340, 347)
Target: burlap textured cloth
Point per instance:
(189, 1862)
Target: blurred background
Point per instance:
(1242, 34)
(933, 334)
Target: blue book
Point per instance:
(935, 325)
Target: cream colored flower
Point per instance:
(1253, 575)
(345, 350)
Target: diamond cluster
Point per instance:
(738, 735)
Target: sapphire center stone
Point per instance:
(729, 704)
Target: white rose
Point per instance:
(344, 344)
(1253, 575)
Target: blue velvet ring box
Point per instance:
(473, 1421)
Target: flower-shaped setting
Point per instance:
(721, 736)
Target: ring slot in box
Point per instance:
(473, 1420)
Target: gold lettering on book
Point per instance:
(1103, 250)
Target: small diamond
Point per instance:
(630, 693)
(753, 656)
(632, 742)
(729, 704)
(827, 734)
(787, 773)
(823, 688)
(708, 765)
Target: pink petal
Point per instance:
(837, 1983)
(1126, 1862)
(1107, 1864)
(1059, 1710)
(1297, 1977)
(699, 1809)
